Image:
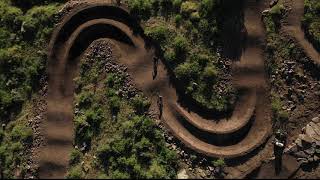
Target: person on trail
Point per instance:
(279, 146)
(155, 67)
(160, 105)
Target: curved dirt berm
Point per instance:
(250, 124)
(293, 28)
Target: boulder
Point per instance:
(303, 160)
(311, 133)
(310, 151)
(292, 149)
(316, 120)
(182, 174)
(301, 154)
(298, 142)
(306, 139)
(315, 127)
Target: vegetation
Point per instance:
(189, 38)
(14, 140)
(281, 49)
(311, 21)
(114, 137)
(24, 31)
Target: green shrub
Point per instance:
(195, 17)
(187, 71)
(218, 163)
(140, 104)
(5, 38)
(180, 45)
(22, 133)
(156, 171)
(75, 173)
(141, 8)
(159, 33)
(279, 115)
(177, 4)
(10, 16)
(120, 175)
(207, 7)
(277, 10)
(19, 74)
(210, 73)
(178, 19)
(87, 125)
(38, 22)
(75, 156)
(311, 21)
(85, 99)
(114, 104)
(189, 7)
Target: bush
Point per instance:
(88, 125)
(114, 104)
(189, 7)
(210, 73)
(207, 7)
(10, 17)
(22, 134)
(277, 10)
(180, 45)
(6, 38)
(311, 22)
(85, 99)
(177, 4)
(75, 157)
(195, 17)
(140, 104)
(218, 163)
(141, 8)
(279, 114)
(187, 71)
(75, 173)
(178, 19)
(39, 21)
(19, 76)
(159, 34)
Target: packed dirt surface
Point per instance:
(293, 28)
(237, 136)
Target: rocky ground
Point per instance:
(306, 148)
(34, 121)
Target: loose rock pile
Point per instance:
(34, 121)
(306, 148)
(102, 50)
